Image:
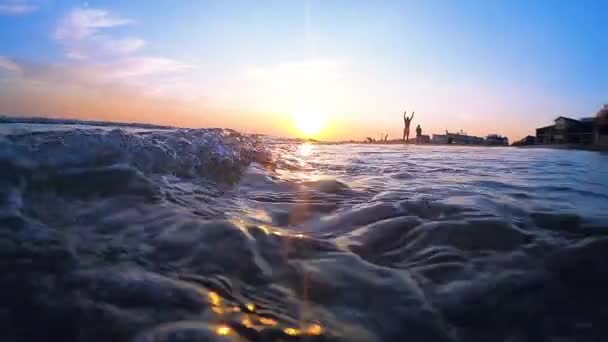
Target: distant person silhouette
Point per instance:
(406, 125)
(418, 134)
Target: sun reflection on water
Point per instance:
(314, 329)
(247, 322)
(305, 149)
(215, 299)
(223, 330)
(267, 321)
(291, 331)
(246, 314)
(265, 229)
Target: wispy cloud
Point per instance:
(16, 7)
(97, 56)
(142, 66)
(127, 71)
(101, 47)
(83, 22)
(80, 34)
(9, 65)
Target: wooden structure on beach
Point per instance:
(600, 132)
(566, 130)
(459, 138)
(462, 138)
(589, 131)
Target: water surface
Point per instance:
(204, 235)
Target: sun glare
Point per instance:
(310, 123)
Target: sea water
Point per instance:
(209, 235)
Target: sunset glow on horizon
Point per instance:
(310, 69)
(310, 123)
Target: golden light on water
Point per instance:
(215, 299)
(216, 302)
(305, 149)
(265, 229)
(262, 323)
(291, 331)
(314, 329)
(310, 123)
(223, 330)
(268, 321)
(247, 322)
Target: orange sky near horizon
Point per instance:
(128, 104)
(164, 113)
(125, 107)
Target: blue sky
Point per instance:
(481, 66)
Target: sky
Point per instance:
(483, 67)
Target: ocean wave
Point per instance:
(213, 153)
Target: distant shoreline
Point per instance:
(5, 119)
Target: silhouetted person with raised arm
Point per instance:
(406, 125)
(418, 134)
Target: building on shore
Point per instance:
(496, 140)
(600, 133)
(567, 131)
(439, 139)
(462, 138)
(527, 141)
(423, 139)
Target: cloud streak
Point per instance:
(81, 34)
(121, 71)
(97, 57)
(16, 7)
(101, 47)
(84, 22)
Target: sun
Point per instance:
(310, 123)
